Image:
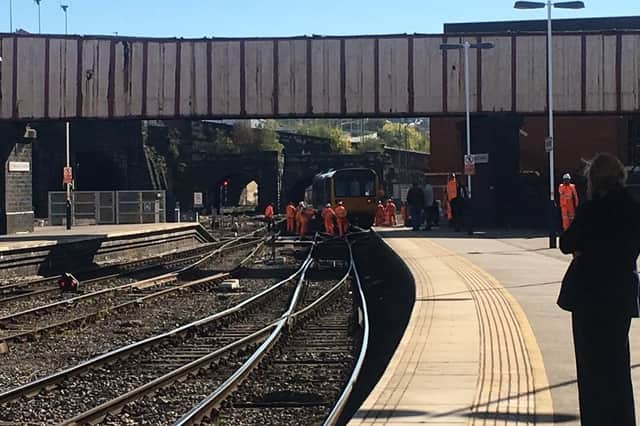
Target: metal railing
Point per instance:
(108, 207)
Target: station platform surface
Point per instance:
(486, 343)
(51, 235)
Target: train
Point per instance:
(358, 188)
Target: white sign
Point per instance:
(481, 158)
(19, 166)
(469, 165)
(548, 144)
(197, 199)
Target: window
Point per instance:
(354, 183)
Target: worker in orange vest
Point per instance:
(328, 216)
(452, 192)
(381, 214)
(291, 218)
(568, 201)
(306, 214)
(390, 210)
(268, 215)
(341, 218)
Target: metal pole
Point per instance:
(39, 28)
(552, 232)
(466, 98)
(68, 203)
(10, 16)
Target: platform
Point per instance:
(486, 343)
(48, 249)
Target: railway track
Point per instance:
(79, 310)
(151, 363)
(301, 328)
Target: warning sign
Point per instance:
(469, 165)
(67, 175)
(197, 200)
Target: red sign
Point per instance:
(469, 165)
(67, 175)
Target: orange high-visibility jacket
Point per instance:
(341, 212)
(328, 214)
(568, 197)
(291, 211)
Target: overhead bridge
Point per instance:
(73, 77)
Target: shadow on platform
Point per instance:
(446, 232)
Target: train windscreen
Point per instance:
(354, 183)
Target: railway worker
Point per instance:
(268, 215)
(341, 219)
(451, 192)
(390, 211)
(291, 218)
(328, 216)
(568, 201)
(381, 214)
(306, 214)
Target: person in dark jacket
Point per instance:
(600, 288)
(415, 200)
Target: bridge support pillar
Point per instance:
(16, 204)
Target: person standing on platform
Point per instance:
(328, 217)
(291, 218)
(415, 200)
(380, 214)
(600, 289)
(341, 219)
(568, 200)
(268, 215)
(428, 205)
(390, 210)
(458, 207)
(451, 193)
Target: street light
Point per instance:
(10, 16)
(39, 28)
(466, 46)
(549, 141)
(64, 8)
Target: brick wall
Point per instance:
(16, 206)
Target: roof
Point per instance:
(580, 24)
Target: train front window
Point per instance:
(354, 184)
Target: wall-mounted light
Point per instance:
(30, 132)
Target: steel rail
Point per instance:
(338, 409)
(210, 404)
(109, 357)
(151, 282)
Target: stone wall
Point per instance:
(16, 206)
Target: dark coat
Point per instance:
(415, 197)
(603, 278)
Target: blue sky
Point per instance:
(198, 18)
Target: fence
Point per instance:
(108, 207)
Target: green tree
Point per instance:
(338, 139)
(247, 139)
(403, 135)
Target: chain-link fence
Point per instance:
(108, 207)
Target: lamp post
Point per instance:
(10, 16)
(39, 27)
(466, 46)
(68, 209)
(64, 8)
(549, 141)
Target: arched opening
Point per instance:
(95, 171)
(249, 197)
(296, 192)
